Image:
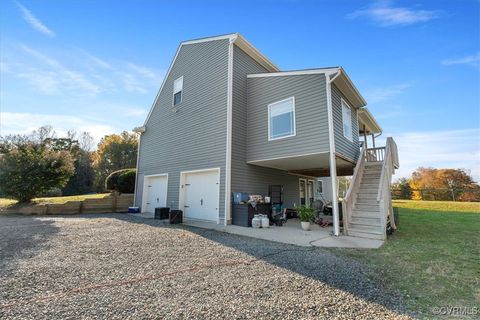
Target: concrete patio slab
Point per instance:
(292, 233)
(289, 233)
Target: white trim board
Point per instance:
(327, 71)
(228, 147)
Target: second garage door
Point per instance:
(201, 195)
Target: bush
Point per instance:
(121, 180)
(126, 181)
(30, 170)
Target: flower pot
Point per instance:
(305, 225)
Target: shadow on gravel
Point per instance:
(316, 263)
(21, 238)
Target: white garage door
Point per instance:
(201, 198)
(155, 193)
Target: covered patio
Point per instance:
(290, 233)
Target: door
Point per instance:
(156, 193)
(303, 192)
(307, 192)
(201, 195)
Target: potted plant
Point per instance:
(306, 215)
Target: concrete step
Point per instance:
(371, 221)
(362, 234)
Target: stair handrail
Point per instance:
(347, 203)
(390, 163)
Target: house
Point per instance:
(226, 119)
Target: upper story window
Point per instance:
(347, 121)
(177, 91)
(281, 119)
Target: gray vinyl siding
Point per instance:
(343, 146)
(246, 177)
(310, 115)
(194, 137)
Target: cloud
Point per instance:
(58, 76)
(131, 83)
(34, 22)
(143, 71)
(439, 149)
(473, 61)
(384, 14)
(377, 95)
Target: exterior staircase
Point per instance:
(365, 220)
(367, 206)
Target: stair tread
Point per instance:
(366, 231)
(364, 224)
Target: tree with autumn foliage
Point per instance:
(114, 152)
(444, 184)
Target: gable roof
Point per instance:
(337, 74)
(243, 44)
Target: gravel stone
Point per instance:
(118, 266)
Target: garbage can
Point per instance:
(162, 213)
(176, 216)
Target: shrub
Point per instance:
(30, 170)
(121, 180)
(126, 181)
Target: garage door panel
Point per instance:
(201, 198)
(155, 193)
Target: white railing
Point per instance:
(375, 154)
(384, 197)
(350, 198)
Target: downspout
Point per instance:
(332, 160)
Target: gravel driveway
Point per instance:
(118, 266)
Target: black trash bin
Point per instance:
(162, 213)
(176, 216)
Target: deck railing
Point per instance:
(384, 196)
(351, 196)
(375, 154)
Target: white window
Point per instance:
(347, 121)
(281, 119)
(177, 91)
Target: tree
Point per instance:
(404, 191)
(442, 184)
(30, 169)
(114, 152)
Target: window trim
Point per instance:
(181, 92)
(343, 102)
(294, 133)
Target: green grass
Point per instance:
(434, 257)
(8, 202)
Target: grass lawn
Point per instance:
(7, 202)
(434, 257)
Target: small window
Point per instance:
(281, 119)
(177, 91)
(347, 121)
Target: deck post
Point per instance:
(373, 140)
(332, 159)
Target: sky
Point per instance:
(96, 66)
